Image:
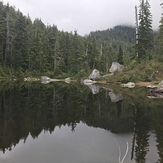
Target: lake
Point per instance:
(74, 123)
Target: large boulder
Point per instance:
(94, 75)
(116, 67)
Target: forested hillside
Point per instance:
(34, 46)
(120, 32)
(31, 46)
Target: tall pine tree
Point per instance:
(145, 32)
(160, 37)
(120, 55)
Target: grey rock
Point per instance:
(116, 67)
(95, 74)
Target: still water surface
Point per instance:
(59, 123)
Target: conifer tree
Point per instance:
(160, 37)
(145, 32)
(120, 55)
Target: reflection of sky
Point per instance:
(85, 145)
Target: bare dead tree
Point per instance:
(136, 16)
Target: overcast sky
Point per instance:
(84, 15)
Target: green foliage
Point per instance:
(145, 71)
(145, 32)
(32, 46)
(159, 41)
(120, 55)
(110, 41)
(81, 74)
(28, 47)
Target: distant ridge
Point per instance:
(119, 33)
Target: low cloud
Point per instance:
(85, 15)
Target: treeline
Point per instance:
(34, 46)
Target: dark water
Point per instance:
(73, 123)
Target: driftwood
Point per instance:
(155, 92)
(155, 95)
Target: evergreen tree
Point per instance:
(120, 55)
(19, 56)
(33, 46)
(77, 53)
(2, 32)
(9, 35)
(141, 135)
(53, 47)
(29, 43)
(92, 53)
(160, 37)
(39, 60)
(145, 33)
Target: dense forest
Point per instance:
(28, 46)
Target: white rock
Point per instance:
(116, 67)
(95, 74)
(129, 85)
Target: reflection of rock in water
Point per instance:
(115, 97)
(94, 88)
(89, 82)
(45, 80)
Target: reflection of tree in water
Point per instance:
(141, 135)
(159, 140)
(119, 108)
(159, 135)
(30, 110)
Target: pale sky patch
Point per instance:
(85, 15)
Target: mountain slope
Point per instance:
(120, 32)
